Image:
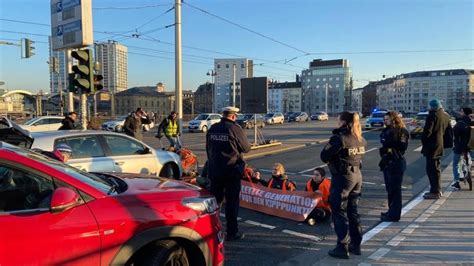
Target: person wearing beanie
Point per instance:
(462, 133)
(437, 135)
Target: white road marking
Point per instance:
(410, 229)
(310, 169)
(379, 253)
(369, 183)
(371, 150)
(418, 149)
(223, 215)
(396, 240)
(315, 238)
(260, 224)
(367, 236)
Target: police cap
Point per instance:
(230, 109)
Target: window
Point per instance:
(123, 146)
(21, 190)
(218, 66)
(226, 65)
(83, 146)
(242, 66)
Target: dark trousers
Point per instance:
(228, 187)
(433, 170)
(344, 198)
(393, 177)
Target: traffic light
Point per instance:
(97, 82)
(71, 87)
(83, 71)
(28, 48)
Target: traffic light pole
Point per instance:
(70, 96)
(83, 109)
(178, 81)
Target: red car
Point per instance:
(53, 214)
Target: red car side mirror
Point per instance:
(64, 199)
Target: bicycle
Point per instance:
(466, 169)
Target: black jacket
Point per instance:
(436, 126)
(133, 126)
(68, 124)
(462, 133)
(394, 144)
(225, 143)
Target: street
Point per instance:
(270, 240)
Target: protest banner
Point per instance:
(293, 205)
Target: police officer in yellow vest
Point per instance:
(170, 127)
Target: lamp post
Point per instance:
(213, 73)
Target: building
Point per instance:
(113, 59)
(224, 69)
(188, 102)
(203, 98)
(58, 76)
(146, 97)
(369, 98)
(411, 92)
(326, 86)
(357, 99)
(284, 97)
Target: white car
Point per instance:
(43, 123)
(320, 116)
(203, 122)
(274, 118)
(117, 125)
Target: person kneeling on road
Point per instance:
(279, 180)
(319, 183)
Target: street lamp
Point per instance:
(213, 73)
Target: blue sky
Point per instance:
(326, 29)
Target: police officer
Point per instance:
(394, 139)
(343, 154)
(225, 142)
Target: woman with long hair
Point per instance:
(394, 139)
(343, 155)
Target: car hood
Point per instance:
(141, 183)
(196, 121)
(375, 119)
(12, 133)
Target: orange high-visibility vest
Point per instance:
(324, 188)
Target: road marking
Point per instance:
(418, 149)
(367, 236)
(315, 238)
(310, 169)
(369, 183)
(260, 224)
(223, 215)
(396, 240)
(379, 253)
(371, 150)
(410, 229)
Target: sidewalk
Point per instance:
(430, 232)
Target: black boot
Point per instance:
(339, 251)
(355, 249)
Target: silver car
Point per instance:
(98, 151)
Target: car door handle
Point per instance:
(119, 163)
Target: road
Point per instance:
(270, 240)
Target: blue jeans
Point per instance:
(174, 142)
(457, 164)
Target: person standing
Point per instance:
(437, 125)
(343, 155)
(462, 133)
(394, 139)
(69, 122)
(133, 125)
(225, 142)
(170, 127)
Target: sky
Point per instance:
(378, 37)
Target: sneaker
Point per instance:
(430, 195)
(355, 250)
(386, 218)
(235, 237)
(456, 185)
(339, 252)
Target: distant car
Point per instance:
(415, 127)
(73, 217)
(43, 123)
(274, 118)
(375, 120)
(248, 120)
(203, 122)
(100, 151)
(320, 116)
(299, 117)
(287, 115)
(116, 125)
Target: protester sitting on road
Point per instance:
(319, 183)
(279, 180)
(253, 176)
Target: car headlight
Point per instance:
(205, 204)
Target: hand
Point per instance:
(257, 175)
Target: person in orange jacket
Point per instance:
(279, 180)
(319, 182)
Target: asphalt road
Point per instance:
(270, 240)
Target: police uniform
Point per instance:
(343, 154)
(225, 142)
(394, 144)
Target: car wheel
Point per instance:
(262, 125)
(204, 129)
(170, 170)
(167, 252)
